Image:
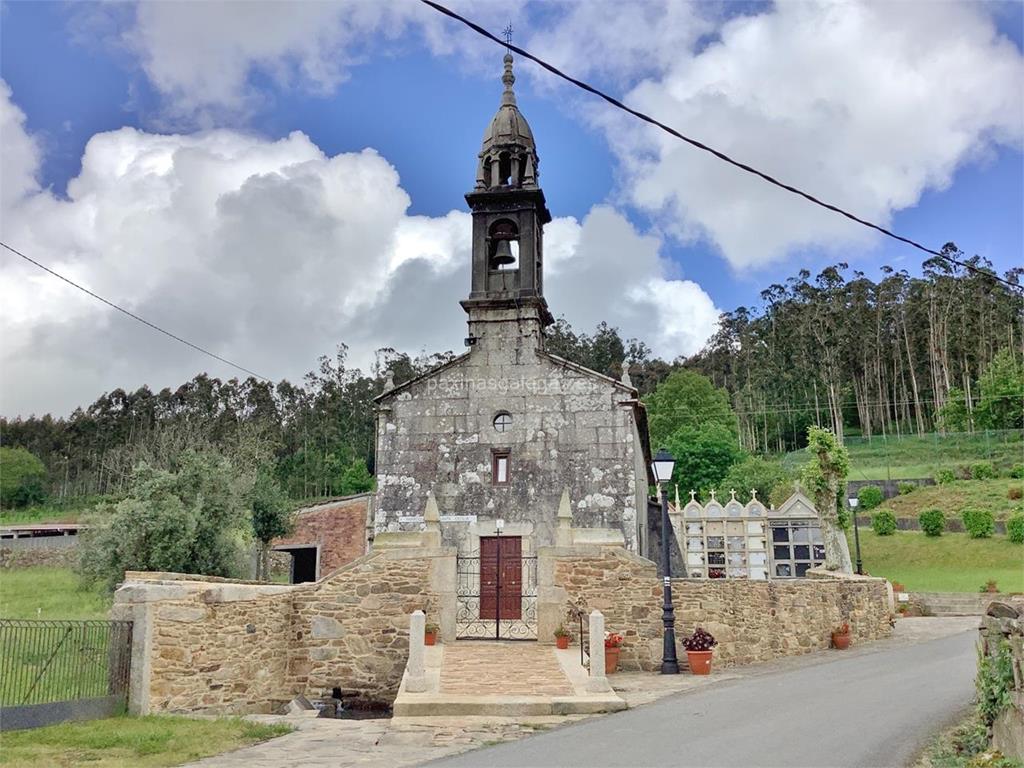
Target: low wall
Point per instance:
(219, 646)
(1003, 626)
(753, 621)
(63, 555)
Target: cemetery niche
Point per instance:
(749, 541)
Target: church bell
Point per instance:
(503, 255)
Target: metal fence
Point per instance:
(61, 670)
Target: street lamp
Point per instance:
(662, 467)
(856, 533)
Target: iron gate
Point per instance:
(500, 608)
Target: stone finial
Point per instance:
(677, 495)
(431, 522)
(693, 495)
(389, 380)
(732, 492)
(753, 494)
(563, 536)
(625, 374)
(508, 97)
(713, 494)
(415, 669)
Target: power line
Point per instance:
(711, 150)
(134, 316)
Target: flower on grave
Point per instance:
(612, 640)
(700, 640)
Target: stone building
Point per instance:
(326, 536)
(506, 430)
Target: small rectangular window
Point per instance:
(499, 467)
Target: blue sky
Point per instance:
(419, 91)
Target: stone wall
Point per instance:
(218, 646)
(1004, 624)
(51, 557)
(754, 621)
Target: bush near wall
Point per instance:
(983, 470)
(905, 488)
(1015, 528)
(944, 476)
(869, 497)
(932, 522)
(978, 523)
(883, 523)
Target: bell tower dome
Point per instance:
(509, 214)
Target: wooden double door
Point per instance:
(501, 578)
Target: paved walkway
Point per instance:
(321, 743)
(513, 669)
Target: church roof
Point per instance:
(508, 127)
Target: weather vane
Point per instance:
(507, 31)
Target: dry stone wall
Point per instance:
(754, 621)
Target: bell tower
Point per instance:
(509, 214)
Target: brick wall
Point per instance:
(338, 528)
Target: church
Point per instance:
(508, 438)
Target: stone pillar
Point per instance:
(415, 669)
(431, 522)
(598, 682)
(563, 535)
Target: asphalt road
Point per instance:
(876, 709)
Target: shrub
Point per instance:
(869, 497)
(932, 521)
(883, 523)
(978, 523)
(22, 478)
(1015, 528)
(700, 640)
(982, 470)
(944, 476)
(906, 488)
(1015, 492)
(1017, 471)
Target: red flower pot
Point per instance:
(700, 662)
(430, 638)
(840, 642)
(611, 659)
(562, 641)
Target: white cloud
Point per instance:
(863, 105)
(268, 253)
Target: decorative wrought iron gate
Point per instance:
(496, 593)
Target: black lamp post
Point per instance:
(856, 534)
(662, 467)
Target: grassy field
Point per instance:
(49, 593)
(953, 498)
(953, 562)
(141, 742)
(52, 512)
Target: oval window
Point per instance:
(502, 422)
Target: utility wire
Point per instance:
(711, 150)
(133, 316)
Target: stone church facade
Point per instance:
(505, 430)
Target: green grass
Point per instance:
(911, 456)
(953, 498)
(965, 745)
(71, 511)
(953, 562)
(141, 742)
(49, 593)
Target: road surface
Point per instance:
(875, 709)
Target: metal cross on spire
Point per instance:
(507, 32)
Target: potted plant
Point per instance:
(562, 637)
(897, 587)
(430, 634)
(841, 636)
(612, 648)
(698, 651)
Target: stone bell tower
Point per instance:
(509, 214)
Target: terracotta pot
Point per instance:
(611, 659)
(700, 662)
(840, 642)
(897, 587)
(430, 638)
(562, 641)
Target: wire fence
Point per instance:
(42, 662)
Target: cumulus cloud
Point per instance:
(269, 253)
(864, 105)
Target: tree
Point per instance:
(688, 399)
(191, 520)
(754, 473)
(355, 479)
(271, 518)
(703, 456)
(825, 477)
(22, 478)
(1002, 393)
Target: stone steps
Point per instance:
(496, 679)
(952, 603)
